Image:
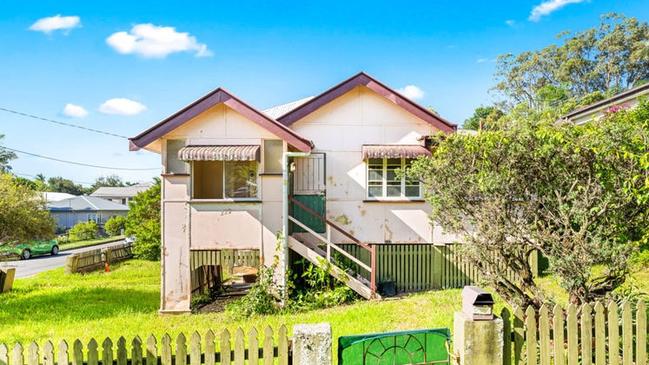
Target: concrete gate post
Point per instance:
(477, 332)
(312, 344)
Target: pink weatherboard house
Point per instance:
(309, 176)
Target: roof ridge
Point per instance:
(89, 202)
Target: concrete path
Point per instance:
(38, 264)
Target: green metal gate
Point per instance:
(429, 346)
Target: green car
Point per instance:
(31, 248)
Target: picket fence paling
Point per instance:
(586, 335)
(195, 351)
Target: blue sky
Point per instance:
(127, 71)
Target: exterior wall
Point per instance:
(214, 223)
(66, 220)
(339, 129)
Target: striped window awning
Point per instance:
(393, 151)
(219, 153)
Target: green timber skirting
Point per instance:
(416, 267)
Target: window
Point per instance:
(273, 149)
(385, 182)
(224, 179)
(174, 165)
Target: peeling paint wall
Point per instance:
(339, 129)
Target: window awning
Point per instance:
(394, 151)
(219, 153)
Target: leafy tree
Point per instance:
(111, 181)
(115, 225)
(608, 58)
(5, 157)
(143, 222)
(483, 117)
(22, 214)
(577, 194)
(84, 231)
(62, 185)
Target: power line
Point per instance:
(79, 163)
(61, 123)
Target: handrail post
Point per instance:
(328, 230)
(373, 266)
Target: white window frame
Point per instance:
(224, 198)
(384, 183)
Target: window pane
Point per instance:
(208, 179)
(175, 165)
(273, 156)
(394, 162)
(241, 179)
(394, 190)
(412, 191)
(375, 191)
(375, 175)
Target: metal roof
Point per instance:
(279, 110)
(121, 191)
(85, 203)
(219, 153)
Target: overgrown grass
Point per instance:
(125, 301)
(86, 243)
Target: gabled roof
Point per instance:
(218, 96)
(85, 203)
(279, 110)
(365, 80)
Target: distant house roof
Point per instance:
(124, 192)
(50, 196)
(85, 203)
(279, 110)
(616, 99)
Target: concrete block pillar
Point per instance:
(477, 333)
(7, 276)
(312, 344)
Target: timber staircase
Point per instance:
(319, 250)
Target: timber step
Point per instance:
(316, 256)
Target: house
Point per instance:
(120, 194)
(321, 169)
(70, 211)
(624, 100)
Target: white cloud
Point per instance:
(57, 22)
(122, 106)
(411, 92)
(510, 22)
(152, 41)
(74, 111)
(548, 7)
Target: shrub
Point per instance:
(115, 225)
(259, 299)
(143, 222)
(84, 231)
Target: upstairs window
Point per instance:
(273, 149)
(225, 179)
(385, 182)
(175, 165)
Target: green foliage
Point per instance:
(84, 231)
(143, 222)
(62, 185)
(109, 181)
(608, 58)
(23, 216)
(5, 157)
(260, 299)
(483, 117)
(578, 194)
(115, 225)
(317, 289)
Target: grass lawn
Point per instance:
(86, 243)
(125, 301)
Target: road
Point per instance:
(38, 264)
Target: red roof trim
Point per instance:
(374, 85)
(215, 97)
